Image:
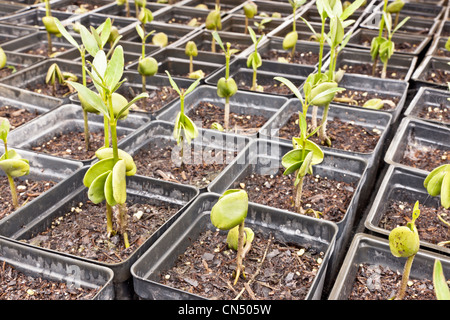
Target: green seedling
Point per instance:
(184, 129)
(160, 39)
(143, 14)
(11, 162)
(127, 6)
(250, 10)
(404, 242)
(229, 214)
(3, 58)
(55, 76)
(214, 22)
(290, 40)
(441, 288)
(226, 86)
(394, 8)
(260, 26)
(191, 51)
(254, 60)
(106, 179)
(147, 66)
(49, 22)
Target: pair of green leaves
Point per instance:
(106, 179)
(11, 162)
(439, 281)
(254, 59)
(226, 86)
(404, 240)
(438, 183)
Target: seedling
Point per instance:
(250, 10)
(404, 242)
(55, 76)
(226, 86)
(184, 129)
(11, 162)
(290, 40)
(441, 288)
(260, 26)
(127, 6)
(395, 8)
(229, 214)
(160, 39)
(4, 60)
(144, 15)
(214, 22)
(254, 59)
(106, 179)
(50, 26)
(191, 51)
(147, 66)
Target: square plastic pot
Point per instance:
(73, 6)
(443, 29)
(312, 15)
(239, 71)
(226, 6)
(179, 53)
(20, 60)
(33, 18)
(416, 132)
(419, 10)
(437, 48)
(264, 157)
(95, 20)
(10, 8)
(235, 23)
(399, 64)
(63, 120)
(243, 103)
(362, 39)
(182, 15)
(428, 64)
(375, 251)
(160, 133)
(71, 192)
(428, 98)
(403, 184)
(113, 9)
(293, 228)
(268, 8)
(52, 267)
(12, 32)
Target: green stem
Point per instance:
(123, 223)
(227, 113)
(254, 80)
(298, 195)
(380, 35)
(405, 278)
(191, 64)
(331, 66)
(85, 114)
(109, 220)
(113, 126)
(239, 252)
(322, 43)
(323, 126)
(106, 132)
(384, 71)
(12, 186)
(144, 83)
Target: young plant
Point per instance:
(305, 153)
(404, 242)
(160, 39)
(184, 129)
(254, 60)
(106, 179)
(290, 40)
(250, 10)
(144, 15)
(226, 86)
(147, 66)
(229, 214)
(127, 6)
(214, 22)
(441, 288)
(11, 162)
(191, 51)
(394, 8)
(50, 26)
(260, 26)
(55, 76)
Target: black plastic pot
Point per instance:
(412, 26)
(11, 32)
(182, 15)
(375, 251)
(160, 133)
(39, 264)
(10, 8)
(235, 23)
(95, 20)
(444, 29)
(180, 53)
(293, 228)
(426, 98)
(417, 133)
(71, 192)
(19, 60)
(362, 39)
(264, 157)
(437, 48)
(399, 64)
(419, 10)
(243, 103)
(226, 6)
(267, 8)
(312, 15)
(33, 18)
(241, 74)
(73, 7)
(64, 119)
(428, 66)
(113, 9)
(406, 185)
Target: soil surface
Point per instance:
(163, 162)
(342, 134)
(430, 228)
(157, 99)
(359, 98)
(9, 70)
(27, 190)
(71, 145)
(17, 117)
(300, 57)
(77, 6)
(268, 84)
(366, 69)
(15, 285)
(209, 113)
(184, 20)
(422, 156)
(376, 282)
(442, 52)
(206, 47)
(82, 231)
(330, 197)
(437, 76)
(404, 46)
(439, 113)
(43, 50)
(59, 91)
(274, 270)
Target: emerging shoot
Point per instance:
(214, 22)
(250, 10)
(254, 60)
(147, 66)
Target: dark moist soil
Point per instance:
(274, 270)
(269, 85)
(328, 196)
(366, 69)
(6, 71)
(15, 285)
(43, 50)
(430, 228)
(77, 7)
(376, 282)
(158, 162)
(209, 113)
(342, 135)
(82, 231)
(437, 76)
(17, 117)
(359, 98)
(300, 57)
(206, 47)
(439, 113)
(157, 99)
(60, 91)
(423, 157)
(71, 145)
(404, 46)
(27, 190)
(185, 20)
(442, 52)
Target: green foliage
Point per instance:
(438, 183)
(404, 240)
(439, 281)
(3, 58)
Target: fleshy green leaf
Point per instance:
(230, 210)
(96, 192)
(15, 167)
(97, 169)
(91, 98)
(114, 70)
(439, 281)
(119, 182)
